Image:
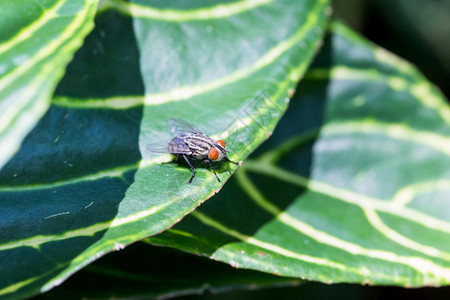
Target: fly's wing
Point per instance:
(159, 147)
(173, 146)
(179, 127)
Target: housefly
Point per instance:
(191, 143)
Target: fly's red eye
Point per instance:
(221, 143)
(213, 153)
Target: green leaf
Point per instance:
(352, 187)
(37, 41)
(142, 271)
(83, 184)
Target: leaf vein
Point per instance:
(172, 15)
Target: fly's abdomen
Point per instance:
(178, 146)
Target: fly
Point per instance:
(191, 143)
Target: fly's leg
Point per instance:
(212, 168)
(191, 166)
(231, 161)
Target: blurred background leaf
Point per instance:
(416, 30)
(37, 41)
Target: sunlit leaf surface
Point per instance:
(352, 187)
(82, 183)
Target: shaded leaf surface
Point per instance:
(82, 184)
(352, 187)
(37, 41)
(142, 271)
